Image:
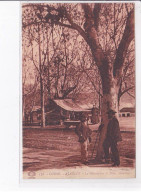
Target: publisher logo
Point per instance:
(32, 174)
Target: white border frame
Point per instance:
(101, 181)
(9, 174)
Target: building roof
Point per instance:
(70, 105)
(36, 108)
(128, 109)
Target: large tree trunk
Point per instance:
(109, 101)
(110, 73)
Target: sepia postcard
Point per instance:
(78, 90)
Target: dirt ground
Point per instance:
(59, 148)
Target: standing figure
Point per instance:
(84, 133)
(113, 136)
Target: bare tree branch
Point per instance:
(96, 12)
(127, 37)
(130, 95)
(126, 90)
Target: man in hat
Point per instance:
(113, 136)
(84, 133)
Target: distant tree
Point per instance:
(51, 55)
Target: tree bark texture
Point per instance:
(109, 101)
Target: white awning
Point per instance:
(70, 105)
